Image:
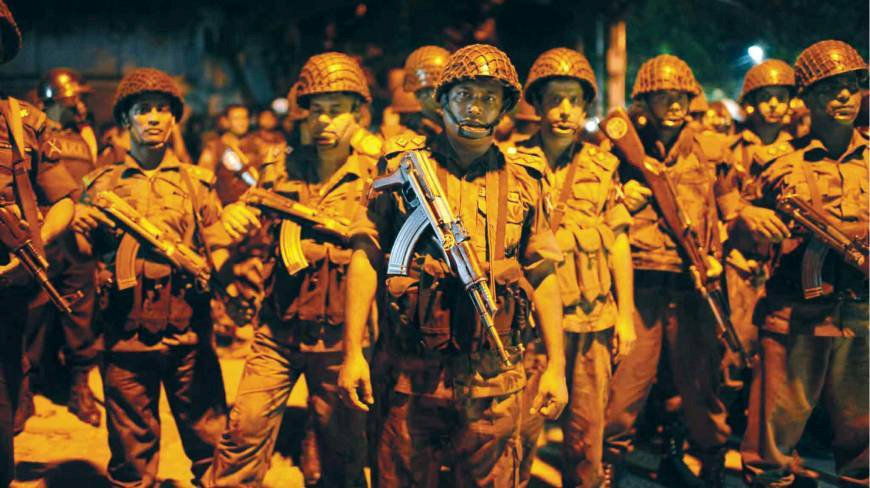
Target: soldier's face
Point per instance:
(668, 108)
(267, 120)
(239, 120)
(477, 105)
(562, 107)
(332, 118)
(150, 119)
(771, 103)
(837, 98)
(426, 97)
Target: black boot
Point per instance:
(82, 402)
(672, 470)
(713, 468)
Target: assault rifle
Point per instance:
(416, 177)
(825, 236)
(620, 129)
(15, 237)
(294, 215)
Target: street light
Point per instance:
(756, 53)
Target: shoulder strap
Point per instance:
(565, 191)
(194, 200)
(21, 171)
(812, 184)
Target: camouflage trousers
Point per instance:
(796, 373)
(669, 313)
(588, 360)
(191, 376)
(477, 438)
(531, 425)
(271, 371)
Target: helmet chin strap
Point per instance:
(463, 132)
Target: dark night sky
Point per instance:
(712, 35)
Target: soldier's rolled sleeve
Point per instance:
(53, 182)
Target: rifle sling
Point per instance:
(813, 185)
(21, 171)
(194, 201)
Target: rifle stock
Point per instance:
(626, 142)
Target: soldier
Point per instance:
(815, 350)
(61, 92)
(267, 132)
(668, 307)
(25, 180)
(233, 155)
(767, 90)
(302, 316)
(404, 112)
(422, 68)
(157, 332)
(591, 225)
(454, 402)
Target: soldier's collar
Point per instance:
(170, 162)
(571, 152)
(492, 159)
(816, 150)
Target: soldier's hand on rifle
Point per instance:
(238, 219)
(624, 336)
(88, 218)
(552, 394)
(637, 195)
(764, 222)
(8, 268)
(353, 378)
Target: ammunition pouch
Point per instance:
(319, 290)
(430, 313)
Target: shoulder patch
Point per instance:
(204, 175)
(31, 116)
(404, 142)
(368, 144)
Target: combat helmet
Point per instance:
(561, 63)
(664, 72)
(477, 61)
(825, 59)
(61, 83)
(146, 80)
(11, 34)
(294, 111)
(423, 66)
(772, 72)
(331, 72)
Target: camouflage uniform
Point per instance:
(158, 333)
(302, 318)
(72, 272)
(667, 305)
(813, 351)
(747, 263)
(589, 214)
(48, 182)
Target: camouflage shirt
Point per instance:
(307, 309)
(837, 186)
(167, 196)
(432, 321)
(592, 214)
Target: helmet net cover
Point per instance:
(331, 72)
(146, 80)
(665, 72)
(772, 72)
(480, 61)
(561, 63)
(825, 59)
(10, 33)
